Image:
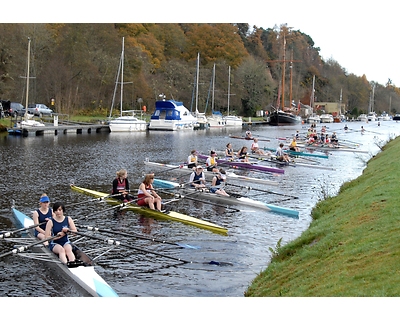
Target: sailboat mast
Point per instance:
(283, 73)
(197, 81)
(27, 78)
(213, 88)
(122, 72)
(229, 86)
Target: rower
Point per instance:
(217, 182)
(197, 178)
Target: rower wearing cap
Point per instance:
(216, 183)
(42, 215)
(197, 178)
(211, 162)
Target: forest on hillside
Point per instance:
(77, 65)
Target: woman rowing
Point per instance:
(216, 184)
(293, 145)
(42, 215)
(59, 226)
(121, 186)
(211, 162)
(256, 149)
(229, 151)
(192, 160)
(146, 194)
(242, 155)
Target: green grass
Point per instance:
(352, 247)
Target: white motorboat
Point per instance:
(362, 117)
(326, 118)
(171, 115)
(372, 116)
(384, 117)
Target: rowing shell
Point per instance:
(169, 215)
(300, 153)
(217, 198)
(84, 275)
(232, 176)
(244, 165)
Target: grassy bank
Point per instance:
(352, 248)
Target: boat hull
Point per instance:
(170, 215)
(84, 276)
(209, 175)
(127, 124)
(279, 118)
(217, 198)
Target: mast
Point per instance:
(122, 72)
(313, 94)
(283, 73)
(213, 88)
(229, 86)
(27, 78)
(197, 82)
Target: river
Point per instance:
(33, 165)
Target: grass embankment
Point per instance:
(352, 247)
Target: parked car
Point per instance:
(39, 109)
(16, 109)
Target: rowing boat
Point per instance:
(245, 165)
(300, 153)
(84, 275)
(247, 138)
(231, 175)
(169, 215)
(192, 194)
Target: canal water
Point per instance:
(33, 165)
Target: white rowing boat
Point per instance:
(209, 175)
(192, 194)
(84, 275)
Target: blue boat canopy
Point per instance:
(168, 110)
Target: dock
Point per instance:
(62, 129)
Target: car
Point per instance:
(39, 109)
(17, 109)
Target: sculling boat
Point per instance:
(84, 275)
(169, 215)
(231, 175)
(245, 165)
(300, 153)
(192, 194)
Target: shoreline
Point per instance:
(351, 248)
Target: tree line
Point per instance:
(77, 64)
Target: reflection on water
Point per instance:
(34, 165)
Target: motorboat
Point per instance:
(171, 115)
(314, 118)
(232, 121)
(216, 120)
(362, 117)
(371, 116)
(326, 118)
(384, 117)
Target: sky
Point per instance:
(360, 36)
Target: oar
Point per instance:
(121, 205)
(136, 236)
(6, 234)
(262, 190)
(118, 243)
(170, 169)
(100, 199)
(24, 248)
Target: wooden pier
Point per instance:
(62, 129)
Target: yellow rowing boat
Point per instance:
(168, 215)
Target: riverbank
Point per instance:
(352, 247)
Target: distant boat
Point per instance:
(371, 116)
(171, 115)
(280, 118)
(124, 123)
(362, 117)
(314, 118)
(230, 120)
(396, 117)
(384, 117)
(326, 118)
